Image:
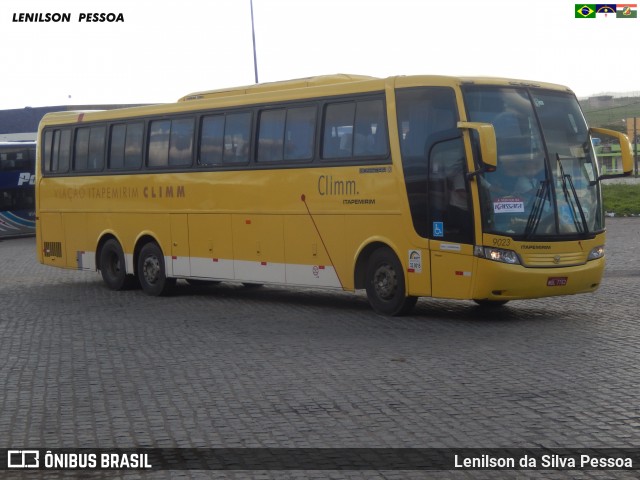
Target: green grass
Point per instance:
(621, 199)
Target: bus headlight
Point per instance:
(596, 253)
(498, 255)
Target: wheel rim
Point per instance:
(385, 282)
(151, 270)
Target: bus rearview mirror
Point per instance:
(487, 141)
(625, 148)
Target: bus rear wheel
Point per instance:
(385, 284)
(113, 267)
(151, 271)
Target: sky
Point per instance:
(166, 49)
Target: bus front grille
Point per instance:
(553, 259)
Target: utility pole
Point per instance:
(253, 35)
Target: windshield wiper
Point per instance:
(536, 211)
(567, 178)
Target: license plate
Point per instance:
(557, 281)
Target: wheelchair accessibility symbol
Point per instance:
(438, 229)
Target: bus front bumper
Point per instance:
(497, 281)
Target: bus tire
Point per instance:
(385, 284)
(151, 271)
(113, 266)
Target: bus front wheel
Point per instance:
(151, 271)
(385, 284)
(112, 266)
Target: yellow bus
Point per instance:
(412, 186)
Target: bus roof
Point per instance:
(285, 90)
(317, 81)
(340, 78)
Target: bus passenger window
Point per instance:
(171, 142)
(116, 146)
(181, 142)
(271, 135)
(237, 136)
(338, 130)
(286, 134)
(89, 149)
(300, 133)
(125, 149)
(97, 136)
(133, 145)
(211, 140)
(62, 152)
(47, 144)
(370, 129)
(81, 150)
(355, 129)
(158, 155)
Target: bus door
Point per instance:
(434, 165)
(451, 219)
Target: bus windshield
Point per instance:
(545, 184)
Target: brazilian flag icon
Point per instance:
(585, 10)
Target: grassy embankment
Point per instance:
(623, 200)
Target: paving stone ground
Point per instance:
(223, 366)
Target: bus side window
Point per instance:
(286, 134)
(355, 130)
(133, 145)
(81, 149)
(300, 133)
(56, 151)
(158, 153)
(88, 154)
(116, 146)
(47, 151)
(171, 142)
(338, 130)
(271, 135)
(370, 129)
(237, 135)
(211, 140)
(97, 139)
(63, 150)
(181, 142)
